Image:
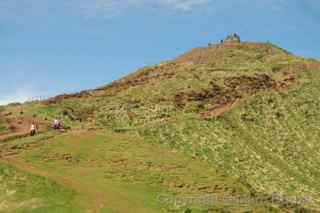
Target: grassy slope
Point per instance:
(267, 142)
(21, 192)
(3, 125)
(118, 172)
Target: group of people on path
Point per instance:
(34, 127)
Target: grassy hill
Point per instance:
(230, 120)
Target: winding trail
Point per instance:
(92, 198)
(19, 128)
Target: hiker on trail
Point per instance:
(56, 124)
(33, 129)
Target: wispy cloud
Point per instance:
(20, 9)
(276, 5)
(18, 95)
(183, 5)
(113, 7)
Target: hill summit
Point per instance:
(232, 38)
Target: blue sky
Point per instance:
(51, 47)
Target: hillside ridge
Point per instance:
(248, 111)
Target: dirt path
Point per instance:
(221, 110)
(12, 136)
(20, 125)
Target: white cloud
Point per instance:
(183, 5)
(113, 7)
(22, 9)
(276, 5)
(19, 95)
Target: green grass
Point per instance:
(23, 192)
(3, 126)
(118, 172)
(271, 141)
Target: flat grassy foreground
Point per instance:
(108, 172)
